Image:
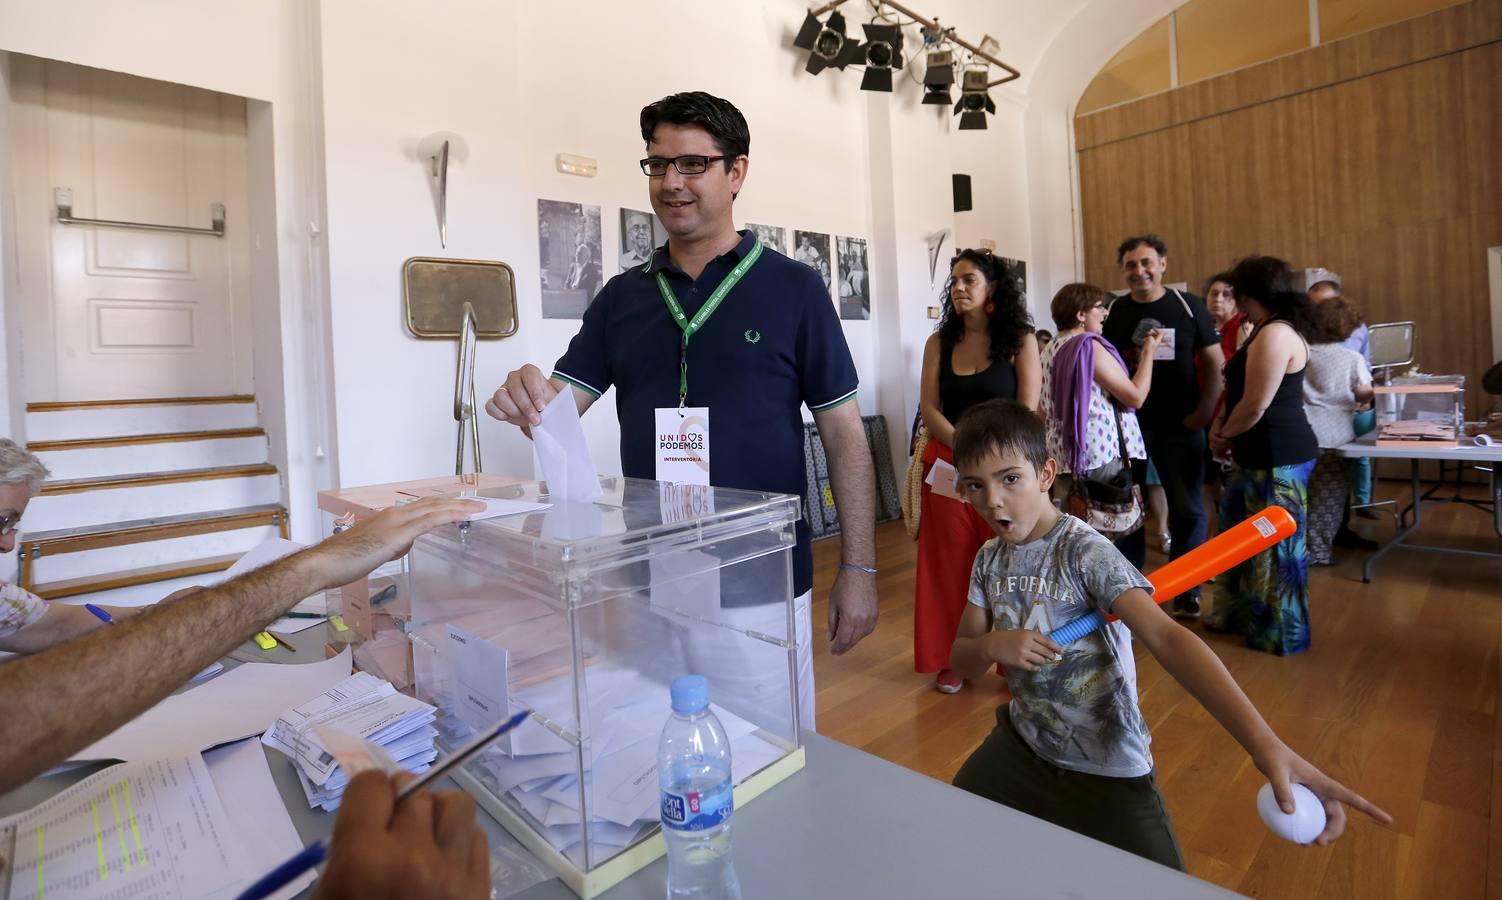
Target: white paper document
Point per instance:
(361, 705)
(238, 704)
(942, 477)
(258, 818)
(496, 508)
(477, 694)
(563, 453)
(268, 551)
(626, 714)
(144, 831)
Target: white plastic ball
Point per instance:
(1302, 826)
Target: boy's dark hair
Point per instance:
(1141, 240)
(998, 426)
(718, 117)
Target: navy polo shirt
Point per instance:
(773, 344)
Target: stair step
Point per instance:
(114, 534)
(57, 590)
(104, 506)
(92, 561)
(145, 479)
(47, 423)
(136, 439)
(59, 405)
(113, 457)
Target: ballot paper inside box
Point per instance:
(584, 613)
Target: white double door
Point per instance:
(116, 313)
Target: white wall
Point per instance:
(258, 49)
(517, 107)
(353, 85)
(1098, 29)
(12, 401)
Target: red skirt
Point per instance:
(950, 533)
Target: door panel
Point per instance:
(131, 313)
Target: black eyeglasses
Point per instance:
(693, 164)
(9, 524)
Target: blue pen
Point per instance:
(100, 614)
(318, 851)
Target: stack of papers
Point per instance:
(538, 771)
(361, 707)
(190, 825)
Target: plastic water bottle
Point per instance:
(693, 771)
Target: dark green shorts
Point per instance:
(1123, 812)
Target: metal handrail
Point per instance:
(64, 199)
(464, 392)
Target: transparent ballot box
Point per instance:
(1422, 410)
(584, 613)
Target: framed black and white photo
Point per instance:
(812, 249)
(568, 242)
(774, 237)
(1018, 269)
(854, 283)
(641, 234)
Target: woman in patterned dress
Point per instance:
(1264, 430)
(1079, 310)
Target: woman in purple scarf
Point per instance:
(1082, 376)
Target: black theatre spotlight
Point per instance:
(975, 102)
(940, 72)
(936, 95)
(826, 43)
(882, 52)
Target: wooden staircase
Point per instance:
(142, 502)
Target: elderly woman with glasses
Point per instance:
(27, 622)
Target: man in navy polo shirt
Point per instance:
(717, 329)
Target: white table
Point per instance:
(847, 825)
(1467, 452)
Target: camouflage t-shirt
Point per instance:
(1081, 712)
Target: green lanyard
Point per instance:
(691, 327)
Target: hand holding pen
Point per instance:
(406, 843)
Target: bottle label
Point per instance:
(697, 811)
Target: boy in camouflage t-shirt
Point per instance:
(1072, 747)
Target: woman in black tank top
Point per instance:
(1266, 434)
(983, 349)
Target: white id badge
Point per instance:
(683, 444)
(1165, 351)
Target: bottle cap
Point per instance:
(690, 693)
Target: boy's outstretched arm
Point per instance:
(1200, 671)
(977, 647)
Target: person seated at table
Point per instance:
(27, 622)
(56, 702)
(1072, 746)
(1337, 384)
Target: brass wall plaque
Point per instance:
(434, 292)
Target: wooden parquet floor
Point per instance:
(1397, 698)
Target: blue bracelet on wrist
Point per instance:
(855, 568)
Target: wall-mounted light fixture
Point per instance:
(437, 152)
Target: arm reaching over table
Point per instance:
(59, 701)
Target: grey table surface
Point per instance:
(848, 825)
